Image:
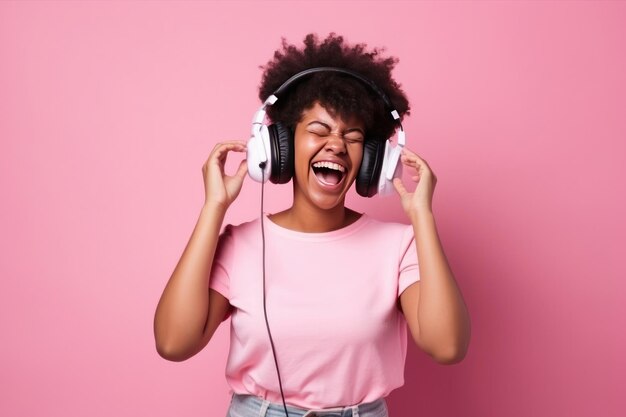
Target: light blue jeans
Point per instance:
(252, 406)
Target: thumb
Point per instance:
(242, 170)
(397, 183)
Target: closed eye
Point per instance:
(320, 129)
(319, 132)
(353, 139)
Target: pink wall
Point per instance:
(109, 110)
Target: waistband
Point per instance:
(374, 408)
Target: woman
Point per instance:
(341, 287)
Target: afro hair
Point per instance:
(340, 94)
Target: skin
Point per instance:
(433, 307)
(187, 315)
(319, 136)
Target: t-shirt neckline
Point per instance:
(316, 236)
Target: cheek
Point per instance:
(303, 152)
(302, 159)
(357, 158)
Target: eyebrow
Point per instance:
(353, 129)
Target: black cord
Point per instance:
(262, 166)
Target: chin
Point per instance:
(322, 198)
(328, 202)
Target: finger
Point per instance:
(227, 146)
(221, 151)
(408, 160)
(412, 155)
(242, 170)
(419, 168)
(222, 147)
(397, 183)
(407, 151)
(419, 164)
(230, 142)
(232, 145)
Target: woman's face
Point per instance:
(328, 154)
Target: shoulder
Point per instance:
(233, 234)
(393, 238)
(391, 229)
(241, 228)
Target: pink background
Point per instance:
(109, 110)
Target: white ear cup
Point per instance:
(391, 169)
(258, 152)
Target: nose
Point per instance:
(335, 144)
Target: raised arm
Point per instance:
(188, 312)
(434, 307)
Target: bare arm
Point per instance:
(434, 306)
(188, 312)
(182, 311)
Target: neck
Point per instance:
(306, 217)
(315, 220)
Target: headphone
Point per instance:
(270, 152)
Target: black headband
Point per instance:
(394, 113)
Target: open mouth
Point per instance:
(329, 173)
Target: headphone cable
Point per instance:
(262, 166)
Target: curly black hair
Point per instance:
(338, 93)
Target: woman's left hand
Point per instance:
(421, 199)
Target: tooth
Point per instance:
(329, 165)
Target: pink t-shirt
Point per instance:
(331, 298)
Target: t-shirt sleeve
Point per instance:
(219, 278)
(409, 268)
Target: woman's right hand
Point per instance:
(221, 189)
